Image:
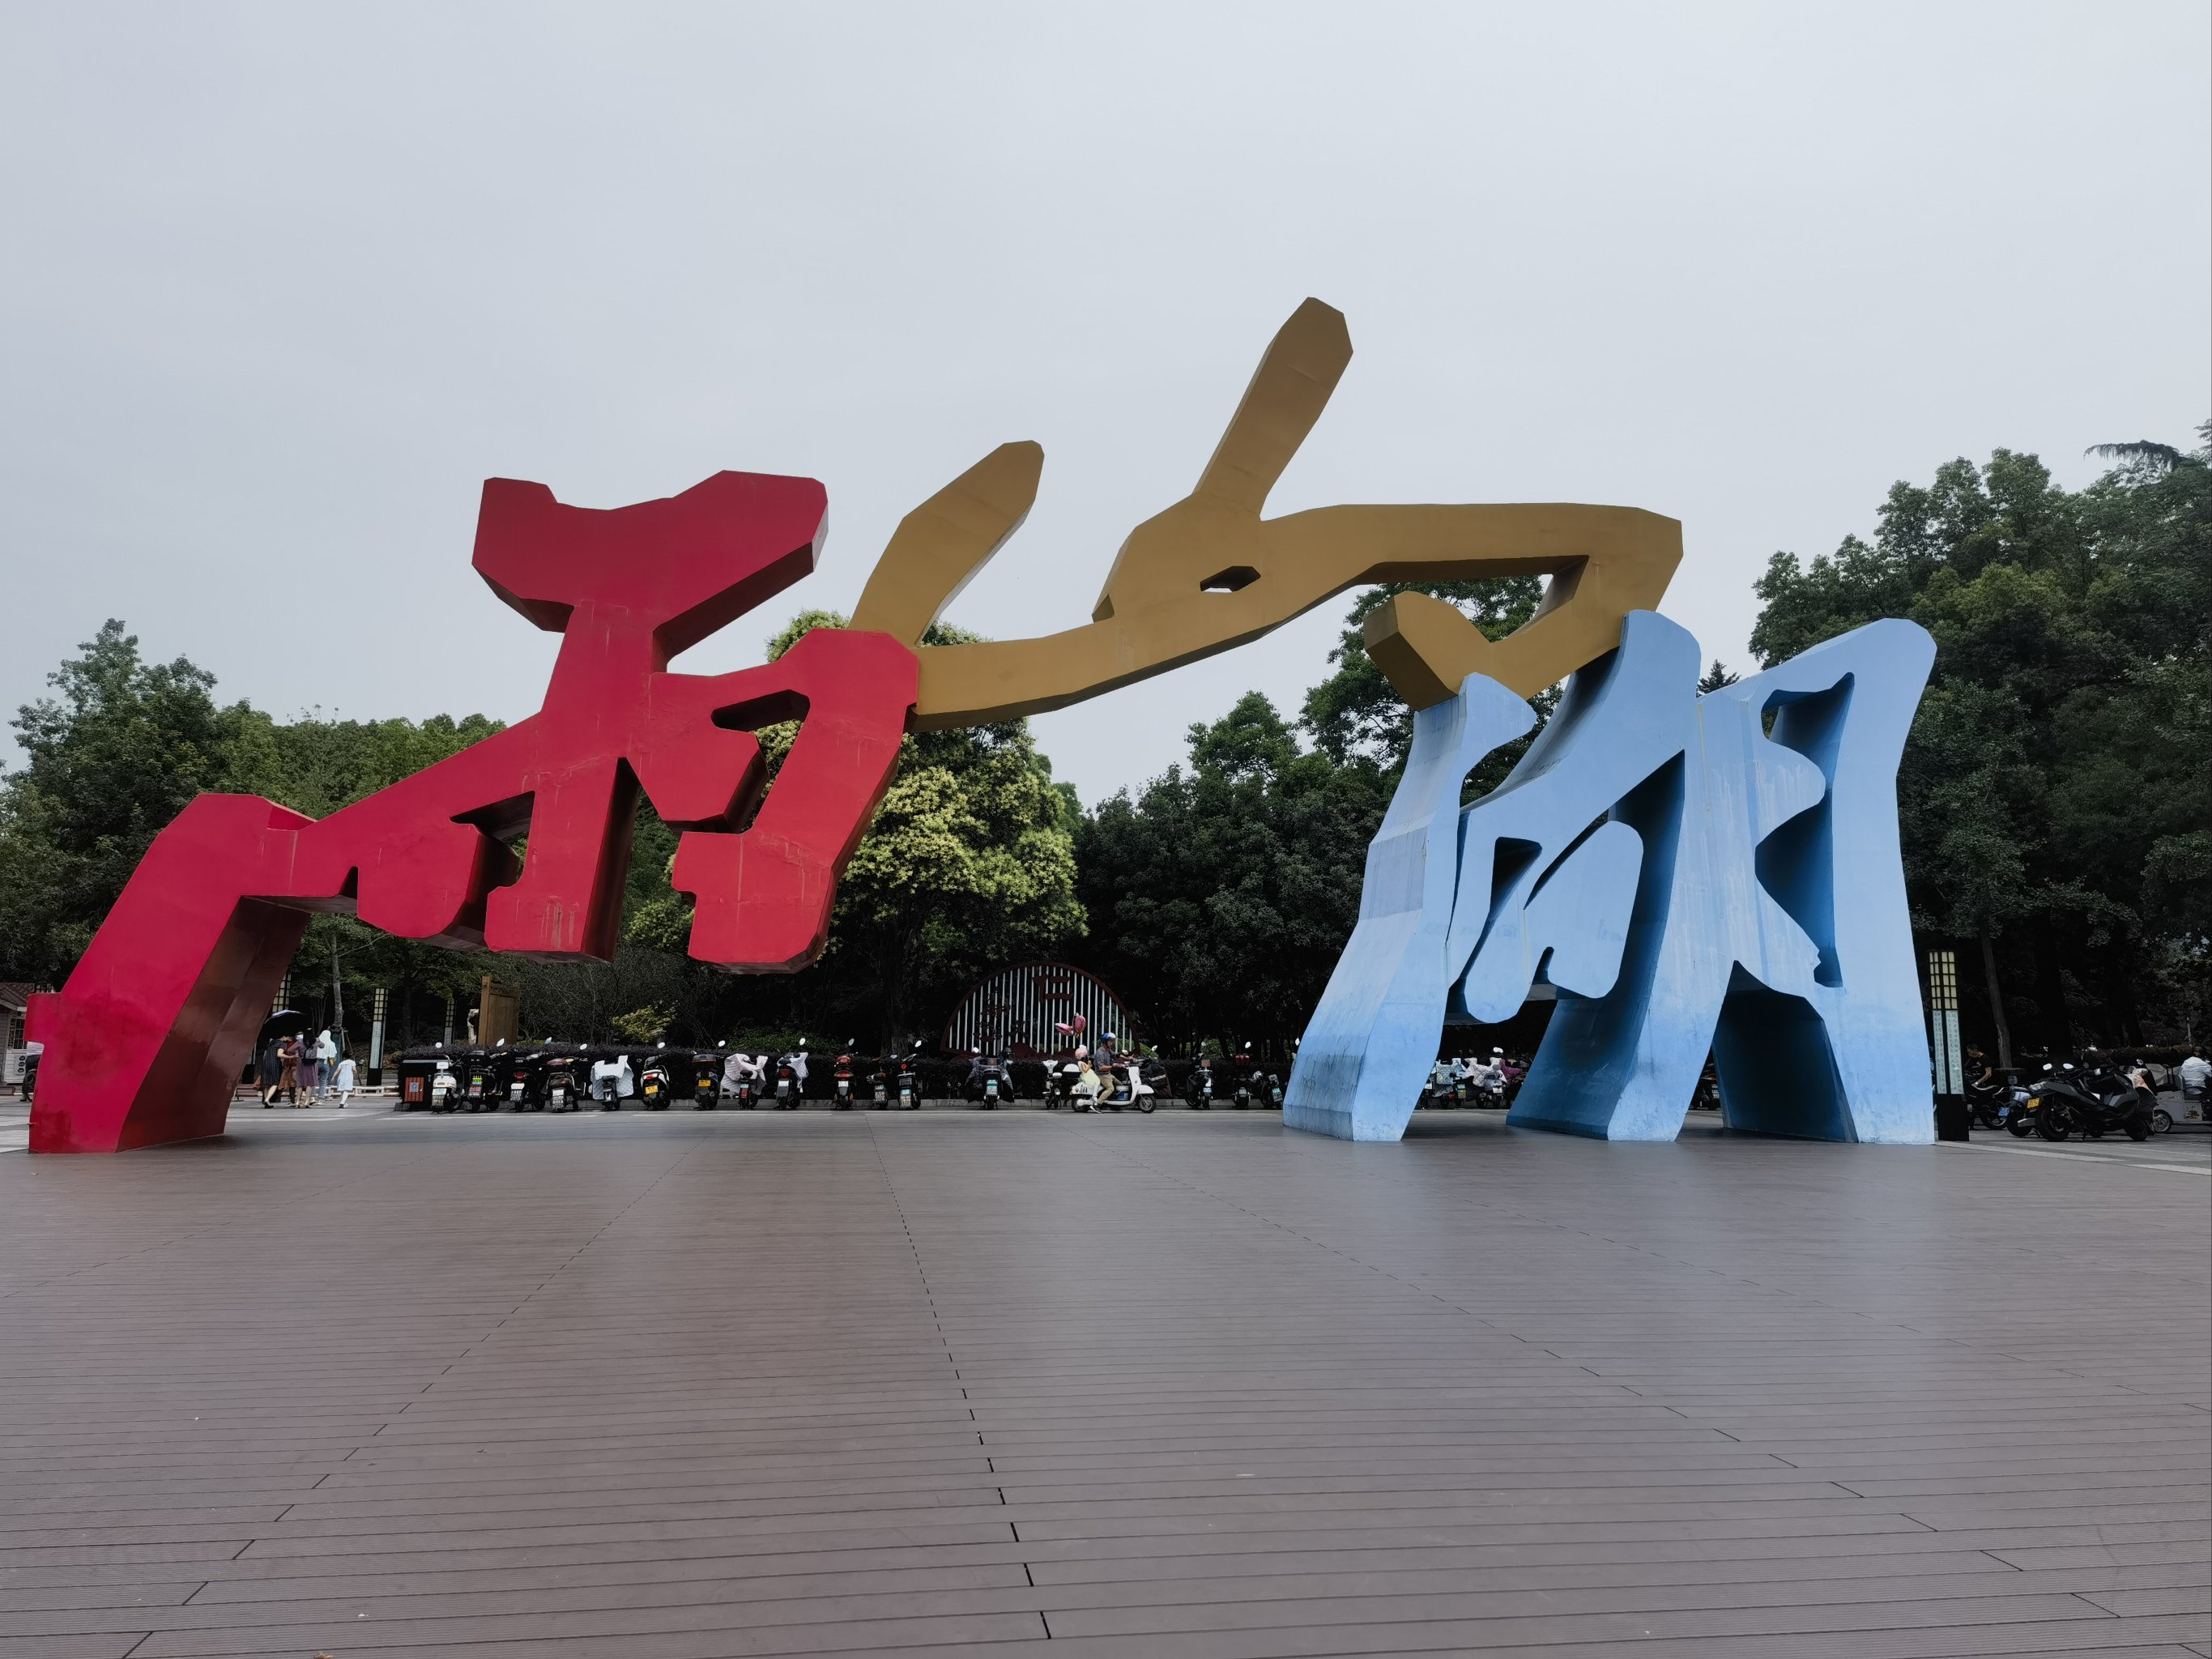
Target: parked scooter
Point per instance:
(478, 1088)
(611, 1081)
(1198, 1088)
(989, 1081)
(741, 1077)
(906, 1087)
(656, 1083)
(840, 1083)
(1244, 1073)
(444, 1083)
(563, 1088)
(2096, 1102)
(790, 1080)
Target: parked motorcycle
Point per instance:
(443, 1084)
(989, 1082)
(1245, 1073)
(1198, 1088)
(906, 1087)
(612, 1081)
(706, 1080)
(741, 1077)
(479, 1086)
(558, 1088)
(790, 1085)
(2096, 1102)
(656, 1083)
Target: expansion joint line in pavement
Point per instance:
(920, 1270)
(561, 1267)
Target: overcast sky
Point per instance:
(282, 284)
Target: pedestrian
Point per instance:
(326, 1059)
(287, 1075)
(341, 1080)
(272, 1070)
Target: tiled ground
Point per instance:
(682, 1386)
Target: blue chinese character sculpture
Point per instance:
(1689, 872)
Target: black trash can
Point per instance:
(416, 1072)
(1952, 1118)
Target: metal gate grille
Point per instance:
(1013, 1012)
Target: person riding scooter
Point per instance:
(1083, 1093)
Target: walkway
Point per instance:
(687, 1386)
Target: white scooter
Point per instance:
(611, 1081)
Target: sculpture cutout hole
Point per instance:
(1231, 580)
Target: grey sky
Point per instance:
(283, 285)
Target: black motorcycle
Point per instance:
(558, 1089)
(2096, 1102)
(706, 1080)
(1246, 1074)
(479, 1086)
(906, 1088)
(1198, 1088)
(788, 1087)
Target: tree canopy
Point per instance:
(2054, 797)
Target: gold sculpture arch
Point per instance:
(1209, 573)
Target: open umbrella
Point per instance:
(284, 1020)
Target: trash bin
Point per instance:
(415, 1070)
(1952, 1118)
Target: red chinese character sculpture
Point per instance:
(159, 1019)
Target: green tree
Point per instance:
(109, 759)
(1354, 714)
(968, 864)
(2053, 797)
(1221, 895)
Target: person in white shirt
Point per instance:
(326, 1053)
(2193, 1072)
(342, 1081)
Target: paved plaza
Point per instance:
(679, 1386)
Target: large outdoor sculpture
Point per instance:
(143, 1044)
(1685, 875)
